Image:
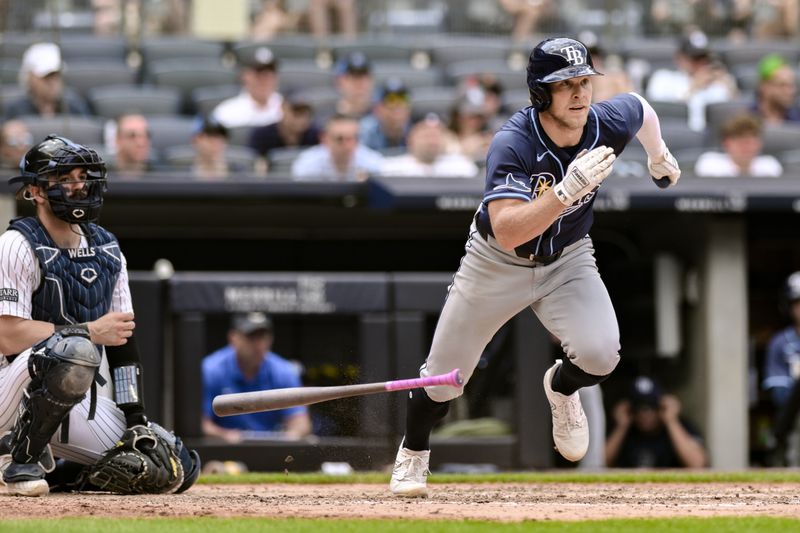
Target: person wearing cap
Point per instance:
(355, 85)
(698, 80)
(386, 128)
(296, 128)
(469, 120)
(777, 91)
(427, 154)
(742, 142)
(210, 141)
(339, 156)
(650, 433)
(247, 364)
(259, 103)
(46, 96)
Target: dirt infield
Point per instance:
(500, 502)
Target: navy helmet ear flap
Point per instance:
(540, 96)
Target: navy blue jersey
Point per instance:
(523, 163)
(782, 365)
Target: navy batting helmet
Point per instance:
(58, 155)
(554, 60)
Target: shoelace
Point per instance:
(415, 469)
(571, 411)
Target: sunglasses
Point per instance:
(340, 139)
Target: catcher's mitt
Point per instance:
(142, 462)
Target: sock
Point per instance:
(422, 414)
(568, 378)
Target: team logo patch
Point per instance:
(88, 275)
(574, 55)
(9, 295)
(542, 183)
(513, 184)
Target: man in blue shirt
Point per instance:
(246, 364)
(529, 247)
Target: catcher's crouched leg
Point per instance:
(146, 460)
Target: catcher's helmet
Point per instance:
(554, 60)
(59, 155)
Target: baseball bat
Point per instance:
(269, 400)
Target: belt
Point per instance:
(520, 251)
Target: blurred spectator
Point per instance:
(210, 143)
(699, 80)
(530, 16)
(470, 123)
(294, 130)
(775, 19)
(247, 364)
(388, 124)
(742, 144)
(15, 141)
(650, 433)
(133, 154)
(713, 17)
(107, 17)
(487, 89)
(355, 84)
(272, 19)
(339, 157)
(320, 15)
(427, 155)
(614, 79)
(40, 76)
(259, 103)
(777, 90)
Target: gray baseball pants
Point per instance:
(492, 285)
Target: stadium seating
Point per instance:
(112, 101)
(84, 130)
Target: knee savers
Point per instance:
(62, 371)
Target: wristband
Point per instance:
(69, 330)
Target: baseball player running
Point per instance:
(528, 247)
(65, 310)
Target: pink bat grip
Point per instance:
(453, 379)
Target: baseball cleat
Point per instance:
(410, 474)
(570, 427)
(23, 479)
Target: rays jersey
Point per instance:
(782, 364)
(523, 163)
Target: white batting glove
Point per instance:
(585, 173)
(664, 168)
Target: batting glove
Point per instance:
(664, 169)
(585, 173)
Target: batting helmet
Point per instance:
(554, 60)
(58, 155)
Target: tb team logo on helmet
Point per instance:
(574, 55)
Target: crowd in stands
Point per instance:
(267, 105)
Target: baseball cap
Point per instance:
(393, 90)
(42, 59)
(769, 65)
(645, 393)
(210, 126)
(695, 44)
(353, 63)
(249, 323)
(262, 59)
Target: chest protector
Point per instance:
(77, 283)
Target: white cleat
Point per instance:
(35, 487)
(570, 427)
(410, 474)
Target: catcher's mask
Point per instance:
(553, 60)
(56, 156)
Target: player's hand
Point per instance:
(586, 172)
(664, 168)
(112, 329)
(669, 408)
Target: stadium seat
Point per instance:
(750, 53)
(188, 75)
(509, 78)
(783, 138)
(10, 93)
(445, 51)
(112, 101)
(9, 71)
(170, 130)
(288, 47)
(516, 99)
(671, 110)
(83, 76)
(439, 100)
(182, 157)
(412, 77)
(376, 48)
(159, 48)
(205, 99)
(298, 74)
(281, 160)
(239, 136)
(717, 113)
(13, 45)
(79, 47)
(83, 130)
(656, 53)
(678, 136)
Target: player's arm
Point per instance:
(660, 162)
(210, 429)
(622, 422)
(298, 425)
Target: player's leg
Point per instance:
(577, 309)
(486, 292)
